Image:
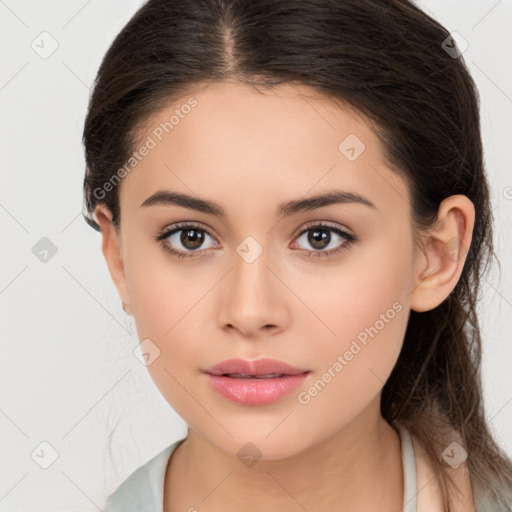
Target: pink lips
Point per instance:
(255, 382)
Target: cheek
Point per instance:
(369, 318)
(166, 304)
(361, 311)
(161, 291)
(167, 301)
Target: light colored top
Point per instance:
(143, 490)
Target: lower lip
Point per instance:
(256, 391)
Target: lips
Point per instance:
(264, 368)
(260, 382)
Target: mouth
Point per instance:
(259, 382)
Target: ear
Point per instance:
(112, 250)
(442, 254)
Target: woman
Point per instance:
(294, 208)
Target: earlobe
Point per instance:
(443, 253)
(112, 251)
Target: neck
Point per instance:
(358, 468)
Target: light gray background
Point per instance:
(68, 372)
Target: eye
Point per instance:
(319, 236)
(191, 237)
(184, 240)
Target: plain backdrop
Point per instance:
(73, 396)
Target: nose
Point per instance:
(254, 298)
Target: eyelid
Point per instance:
(177, 226)
(322, 223)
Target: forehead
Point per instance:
(247, 148)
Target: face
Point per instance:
(260, 281)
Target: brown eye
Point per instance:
(184, 240)
(321, 236)
(191, 238)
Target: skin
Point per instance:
(249, 151)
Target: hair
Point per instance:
(386, 59)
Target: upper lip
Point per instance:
(262, 366)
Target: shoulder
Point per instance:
(429, 490)
(143, 489)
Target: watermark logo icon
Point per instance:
(454, 455)
(146, 352)
(45, 45)
(44, 455)
(454, 45)
(249, 249)
(249, 454)
(351, 147)
(44, 250)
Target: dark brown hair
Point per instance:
(389, 60)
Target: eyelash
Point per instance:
(162, 239)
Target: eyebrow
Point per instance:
(166, 197)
